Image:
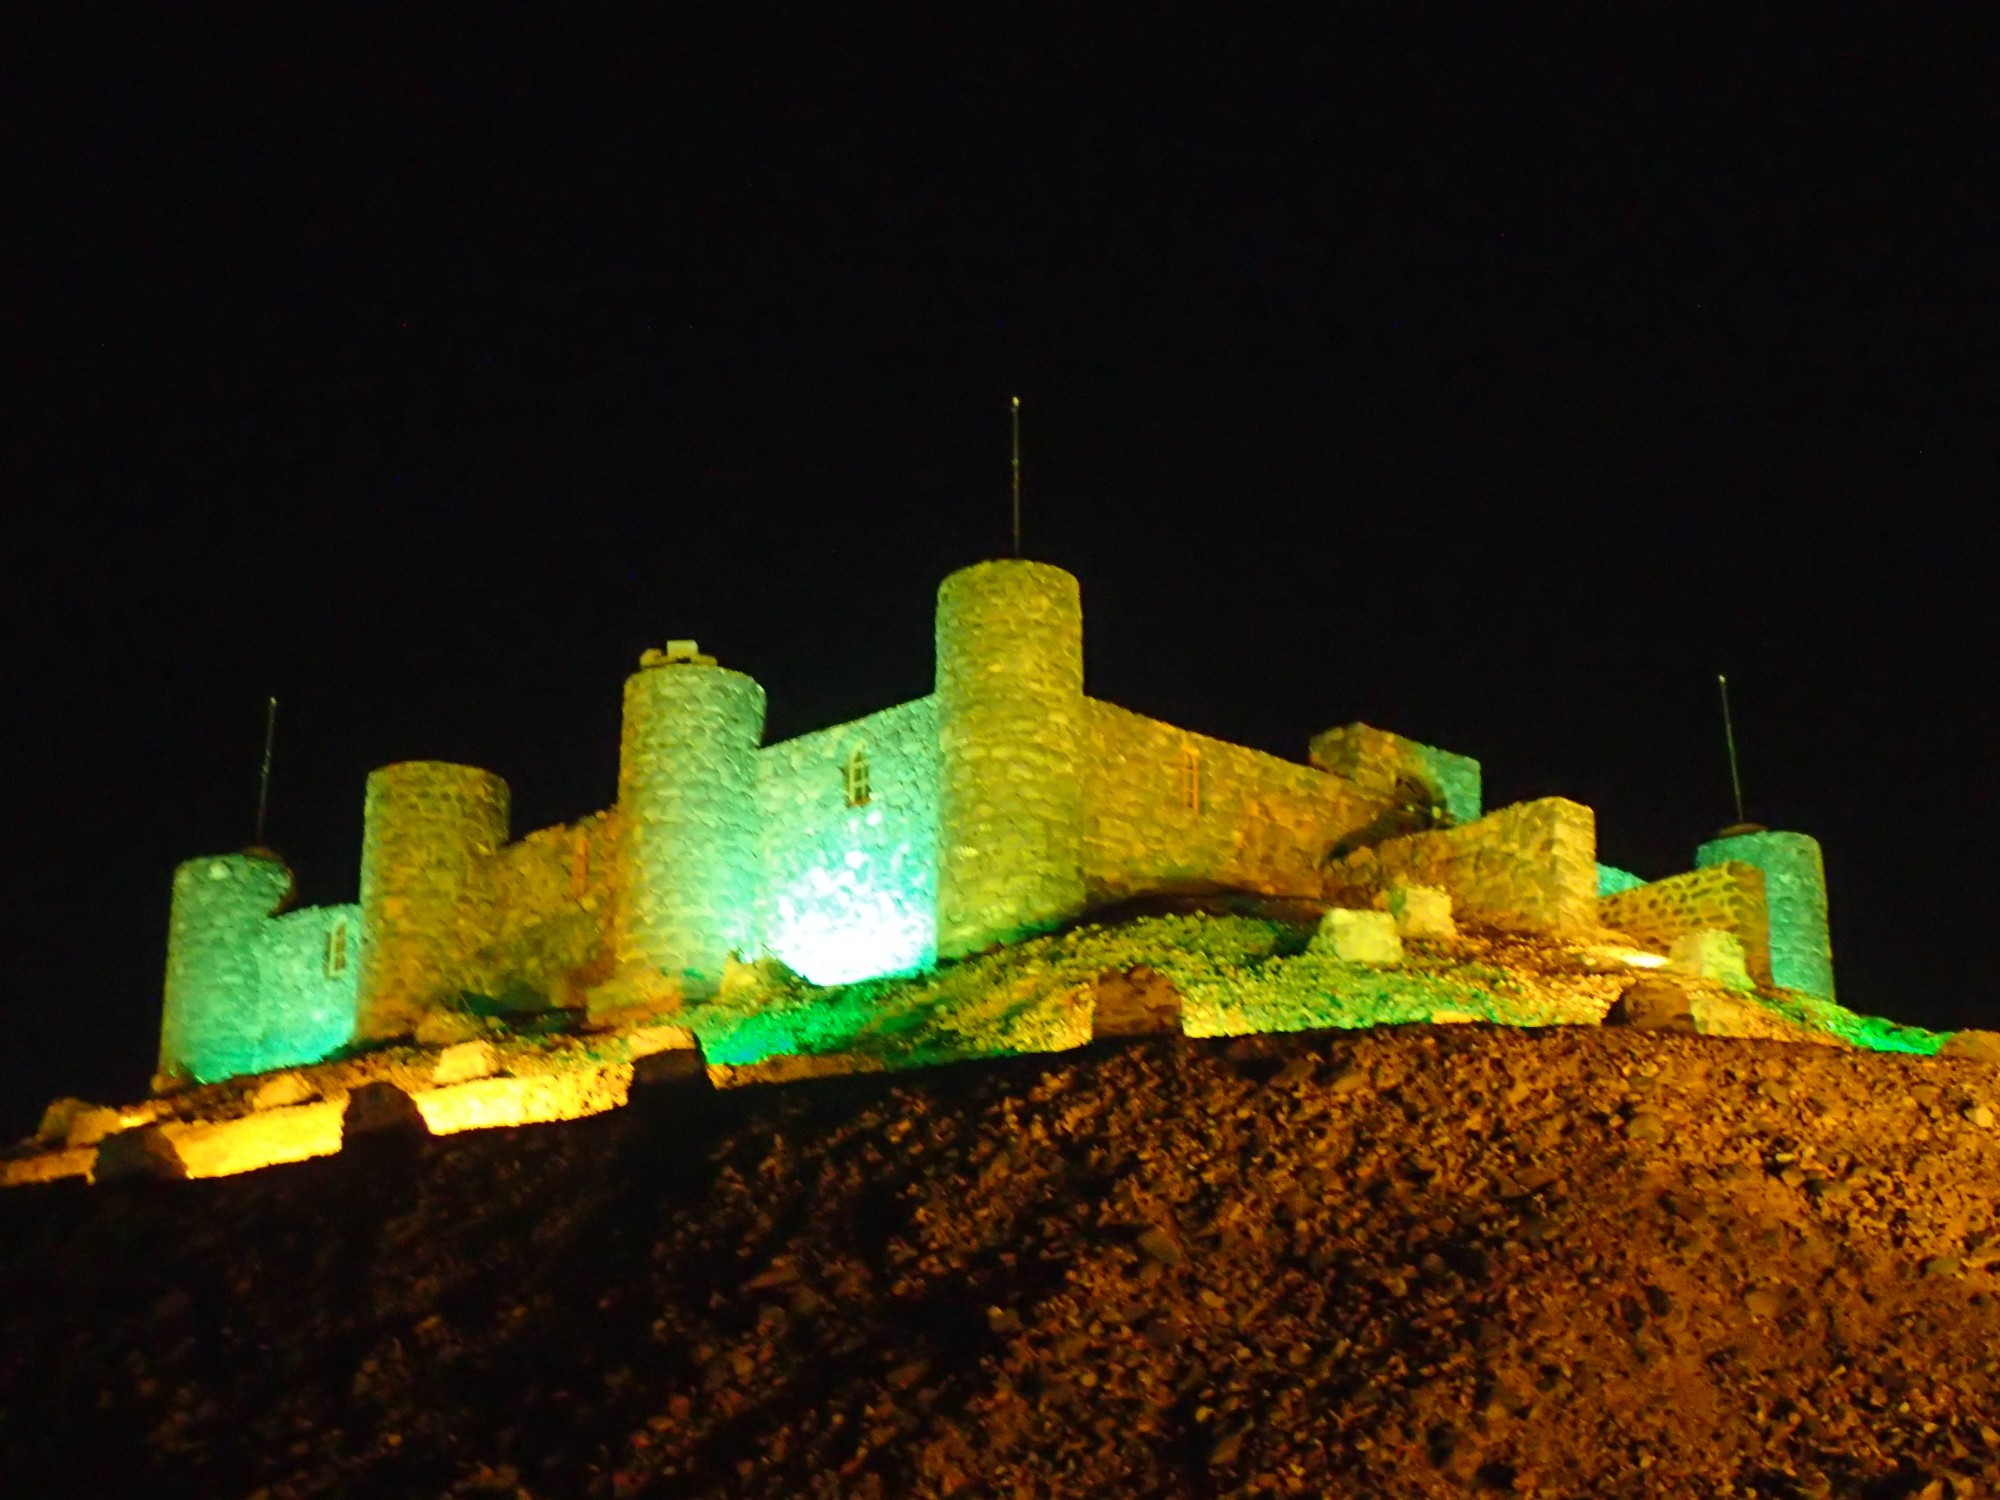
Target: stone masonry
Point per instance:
(1005, 804)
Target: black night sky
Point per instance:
(1494, 382)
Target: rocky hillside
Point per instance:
(1426, 1260)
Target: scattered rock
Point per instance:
(1422, 911)
(1358, 937)
(1138, 1001)
(1973, 1046)
(136, 1154)
(447, 1027)
(672, 1066)
(1652, 1003)
(1156, 1244)
(381, 1109)
(282, 1091)
(58, 1120)
(1646, 1126)
(462, 1062)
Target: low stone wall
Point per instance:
(1728, 897)
(1531, 867)
(554, 898)
(1165, 809)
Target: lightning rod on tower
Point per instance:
(264, 774)
(1016, 415)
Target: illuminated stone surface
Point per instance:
(1726, 896)
(796, 900)
(1010, 731)
(1359, 937)
(427, 830)
(1795, 892)
(1709, 954)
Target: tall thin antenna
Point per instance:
(1729, 739)
(1017, 475)
(264, 775)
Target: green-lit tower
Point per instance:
(1010, 732)
(687, 799)
(214, 1023)
(1794, 894)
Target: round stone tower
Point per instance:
(427, 830)
(1794, 895)
(687, 795)
(213, 1020)
(1010, 737)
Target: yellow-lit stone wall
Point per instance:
(1010, 730)
(1728, 897)
(555, 900)
(1168, 809)
(429, 830)
(1376, 760)
(1531, 866)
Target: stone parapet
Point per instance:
(1531, 866)
(1728, 897)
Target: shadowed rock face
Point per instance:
(1428, 1262)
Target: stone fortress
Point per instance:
(1006, 804)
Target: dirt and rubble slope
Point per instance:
(1409, 1261)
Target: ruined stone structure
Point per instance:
(1006, 803)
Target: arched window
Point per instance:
(854, 777)
(1191, 778)
(579, 865)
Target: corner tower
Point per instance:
(1010, 737)
(428, 829)
(1794, 895)
(687, 794)
(211, 1024)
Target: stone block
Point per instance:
(1652, 1004)
(447, 1026)
(381, 1109)
(138, 1154)
(282, 1091)
(58, 1119)
(1134, 1002)
(1422, 911)
(1358, 937)
(1973, 1046)
(1708, 953)
(464, 1062)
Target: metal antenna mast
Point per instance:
(1729, 739)
(264, 775)
(1016, 414)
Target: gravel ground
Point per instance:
(1430, 1260)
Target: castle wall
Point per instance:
(1011, 728)
(1165, 808)
(1795, 894)
(1376, 760)
(1728, 897)
(555, 898)
(687, 798)
(1531, 866)
(429, 830)
(850, 891)
(248, 990)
